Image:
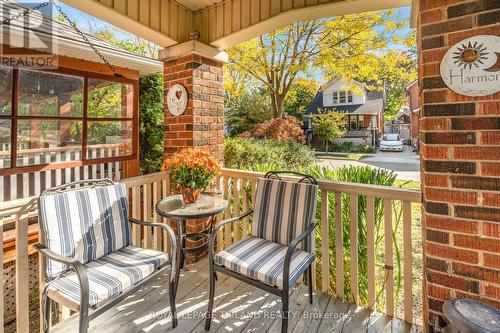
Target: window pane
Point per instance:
(109, 138)
(48, 94)
(361, 121)
(342, 97)
(48, 141)
(5, 136)
(353, 124)
(349, 97)
(110, 99)
(5, 91)
(335, 97)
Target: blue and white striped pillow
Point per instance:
(283, 210)
(85, 224)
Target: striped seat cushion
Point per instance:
(283, 211)
(108, 276)
(263, 260)
(85, 224)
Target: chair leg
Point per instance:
(83, 324)
(172, 291)
(45, 312)
(284, 312)
(310, 283)
(211, 295)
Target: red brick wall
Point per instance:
(202, 124)
(460, 149)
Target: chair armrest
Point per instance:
(76, 265)
(291, 249)
(170, 233)
(217, 228)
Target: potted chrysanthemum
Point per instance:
(192, 170)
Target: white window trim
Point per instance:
(336, 101)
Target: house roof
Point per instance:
(71, 44)
(374, 103)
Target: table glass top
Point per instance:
(207, 205)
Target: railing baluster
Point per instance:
(165, 184)
(227, 227)
(220, 234)
(58, 171)
(325, 259)
(26, 178)
(236, 209)
(389, 285)
(77, 169)
(22, 272)
(147, 214)
(156, 231)
(370, 242)
(36, 176)
(136, 211)
(353, 238)
(408, 275)
(244, 185)
(339, 247)
(67, 171)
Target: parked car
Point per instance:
(391, 142)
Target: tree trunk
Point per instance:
(277, 105)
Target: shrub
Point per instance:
(279, 129)
(351, 147)
(241, 153)
(151, 122)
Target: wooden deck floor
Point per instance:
(238, 308)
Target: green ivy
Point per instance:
(151, 124)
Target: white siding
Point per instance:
(340, 85)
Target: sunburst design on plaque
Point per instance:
(470, 55)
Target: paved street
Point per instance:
(406, 164)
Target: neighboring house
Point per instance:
(364, 111)
(413, 93)
(400, 124)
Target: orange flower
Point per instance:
(193, 168)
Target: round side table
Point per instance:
(172, 207)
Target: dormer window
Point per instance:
(342, 97)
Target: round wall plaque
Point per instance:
(472, 66)
(177, 99)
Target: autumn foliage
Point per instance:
(279, 129)
(191, 168)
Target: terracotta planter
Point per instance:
(190, 195)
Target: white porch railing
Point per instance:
(32, 184)
(335, 272)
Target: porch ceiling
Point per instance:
(221, 23)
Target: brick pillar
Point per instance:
(460, 153)
(202, 124)
(198, 67)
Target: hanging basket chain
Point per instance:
(25, 12)
(28, 11)
(84, 37)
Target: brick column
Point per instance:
(197, 67)
(200, 72)
(460, 153)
